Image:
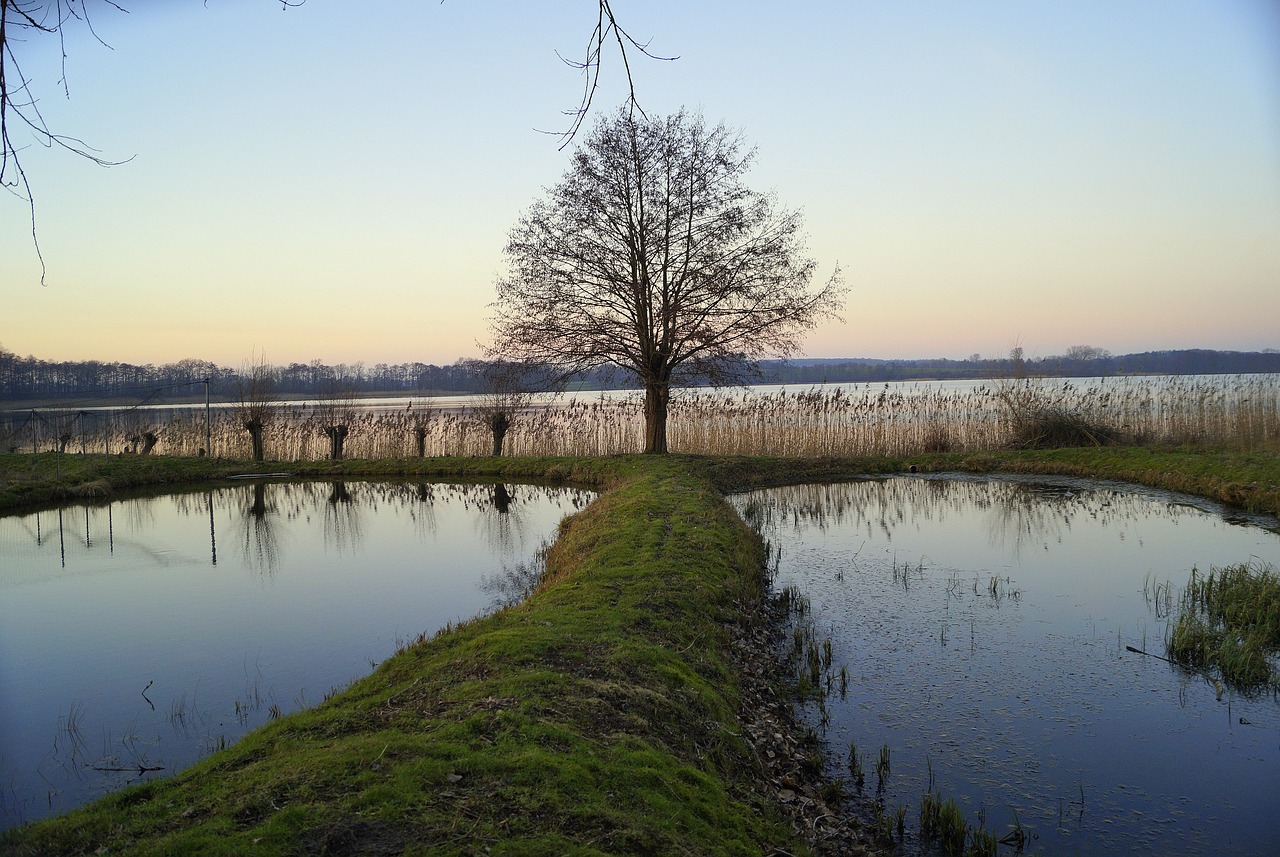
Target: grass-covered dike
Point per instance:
(630, 706)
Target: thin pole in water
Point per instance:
(208, 442)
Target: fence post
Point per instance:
(208, 435)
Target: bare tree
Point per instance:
(652, 256)
(336, 409)
(18, 104)
(507, 391)
(607, 30)
(1086, 352)
(256, 407)
(420, 421)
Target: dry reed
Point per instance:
(1231, 412)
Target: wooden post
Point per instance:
(208, 442)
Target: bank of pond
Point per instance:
(995, 643)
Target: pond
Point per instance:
(139, 636)
(986, 628)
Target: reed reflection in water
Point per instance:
(984, 627)
(142, 634)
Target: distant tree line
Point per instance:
(30, 378)
(1079, 362)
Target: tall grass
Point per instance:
(1237, 413)
(1229, 621)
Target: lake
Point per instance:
(138, 636)
(985, 625)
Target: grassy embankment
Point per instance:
(1248, 480)
(604, 715)
(598, 717)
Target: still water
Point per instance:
(139, 636)
(985, 626)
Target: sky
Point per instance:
(337, 181)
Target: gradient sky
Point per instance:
(337, 181)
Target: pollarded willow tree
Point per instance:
(653, 256)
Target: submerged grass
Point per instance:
(1229, 621)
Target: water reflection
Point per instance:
(514, 583)
(258, 510)
(987, 628)
(501, 499)
(342, 520)
(339, 505)
(132, 640)
(259, 542)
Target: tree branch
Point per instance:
(606, 29)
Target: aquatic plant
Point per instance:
(1017, 836)
(1229, 621)
(833, 792)
(855, 766)
(882, 768)
(881, 824)
(982, 842)
(942, 823)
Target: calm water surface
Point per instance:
(985, 625)
(146, 633)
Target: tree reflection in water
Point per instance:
(343, 528)
(502, 498)
(341, 505)
(259, 542)
(1022, 513)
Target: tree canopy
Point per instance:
(652, 255)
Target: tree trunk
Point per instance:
(656, 396)
(420, 435)
(259, 507)
(254, 427)
(498, 424)
(501, 499)
(149, 440)
(337, 437)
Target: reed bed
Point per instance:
(1237, 413)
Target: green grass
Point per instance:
(1229, 621)
(1248, 480)
(602, 716)
(597, 718)
(31, 481)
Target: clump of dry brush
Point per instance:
(1237, 412)
(1039, 420)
